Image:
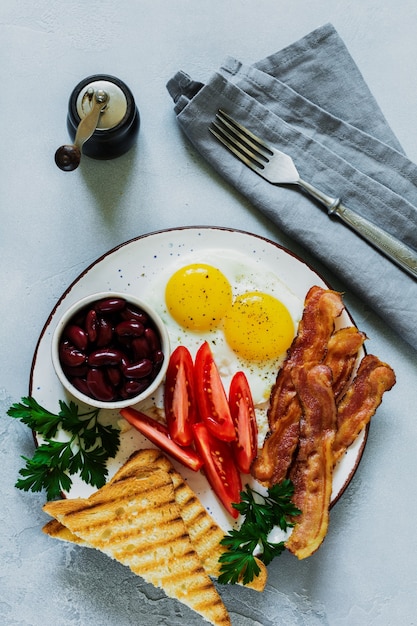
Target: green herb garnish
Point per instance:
(88, 446)
(262, 513)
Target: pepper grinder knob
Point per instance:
(102, 120)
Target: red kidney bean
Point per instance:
(81, 384)
(77, 336)
(78, 371)
(104, 332)
(98, 386)
(70, 356)
(125, 361)
(91, 325)
(129, 313)
(138, 370)
(134, 387)
(130, 328)
(114, 375)
(140, 348)
(124, 342)
(152, 339)
(105, 356)
(158, 357)
(110, 305)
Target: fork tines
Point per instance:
(240, 141)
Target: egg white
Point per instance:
(244, 275)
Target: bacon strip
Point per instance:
(313, 466)
(360, 401)
(275, 457)
(321, 308)
(342, 353)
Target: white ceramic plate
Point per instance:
(133, 267)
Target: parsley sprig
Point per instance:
(262, 513)
(86, 450)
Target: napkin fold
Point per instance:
(311, 101)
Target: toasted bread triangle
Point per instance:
(205, 533)
(137, 521)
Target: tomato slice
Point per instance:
(159, 435)
(211, 397)
(179, 397)
(245, 447)
(219, 467)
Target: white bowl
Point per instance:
(119, 402)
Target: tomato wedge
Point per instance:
(159, 435)
(211, 397)
(179, 397)
(219, 467)
(245, 447)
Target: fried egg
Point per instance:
(237, 304)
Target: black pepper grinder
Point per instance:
(103, 121)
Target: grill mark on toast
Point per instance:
(141, 458)
(211, 605)
(138, 541)
(185, 494)
(102, 506)
(171, 565)
(172, 569)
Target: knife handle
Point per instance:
(393, 248)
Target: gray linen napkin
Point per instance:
(311, 101)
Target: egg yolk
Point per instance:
(258, 326)
(198, 296)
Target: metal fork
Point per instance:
(278, 168)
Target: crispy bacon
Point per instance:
(317, 409)
(275, 457)
(313, 466)
(360, 401)
(321, 308)
(341, 356)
